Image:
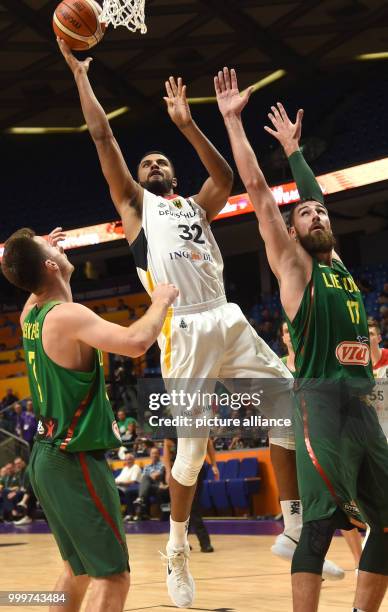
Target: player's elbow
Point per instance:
(102, 134)
(137, 344)
(254, 184)
(226, 183)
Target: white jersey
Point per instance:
(176, 245)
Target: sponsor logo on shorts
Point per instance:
(116, 431)
(183, 324)
(192, 255)
(47, 428)
(353, 353)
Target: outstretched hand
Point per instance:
(286, 132)
(74, 64)
(177, 104)
(55, 236)
(230, 101)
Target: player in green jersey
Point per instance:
(68, 471)
(342, 454)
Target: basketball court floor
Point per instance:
(240, 576)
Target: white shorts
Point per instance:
(216, 342)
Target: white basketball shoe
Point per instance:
(180, 583)
(285, 546)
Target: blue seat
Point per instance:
(231, 469)
(205, 498)
(218, 495)
(237, 492)
(249, 467)
(221, 467)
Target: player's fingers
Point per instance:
(88, 61)
(273, 120)
(55, 230)
(299, 115)
(221, 81)
(226, 77)
(180, 85)
(217, 86)
(173, 85)
(276, 113)
(282, 111)
(183, 92)
(248, 92)
(169, 90)
(233, 79)
(270, 131)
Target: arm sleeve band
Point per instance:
(304, 178)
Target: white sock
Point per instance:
(178, 533)
(292, 516)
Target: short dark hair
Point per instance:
(157, 153)
(374, 323)
(23, 260)
(289, 215)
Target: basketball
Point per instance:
(76, 22)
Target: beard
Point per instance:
(158, 188)
(324, 242)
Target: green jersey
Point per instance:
(72, 407)
(330, 332)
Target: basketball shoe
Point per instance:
(180, 583)
(284, 547)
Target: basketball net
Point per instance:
(128, 13)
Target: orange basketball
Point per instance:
(76, 22)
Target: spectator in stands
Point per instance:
(364, 285)
(384, 321)
(18, 357)
(121, 305)
(123, 421)
(9, 398)
(5, 475)
(129, 437)
(153, 477)
(128, 484)
(17, 419)
(15, 488)
(383, 297)
(25, 509)
(29, 423)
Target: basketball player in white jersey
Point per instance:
(379, 357)
(203, 336)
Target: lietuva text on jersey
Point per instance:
(176, 245)
(330, 331)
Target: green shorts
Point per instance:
(342, 458)
(80, 500)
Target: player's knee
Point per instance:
(374, 558)
(191, 453)
(313, 545)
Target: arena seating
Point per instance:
(239, 480)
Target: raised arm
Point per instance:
(288, 134)
(85, 326)
(126, 193)
(216, 189)
(279, 247)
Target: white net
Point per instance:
(128, 13)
